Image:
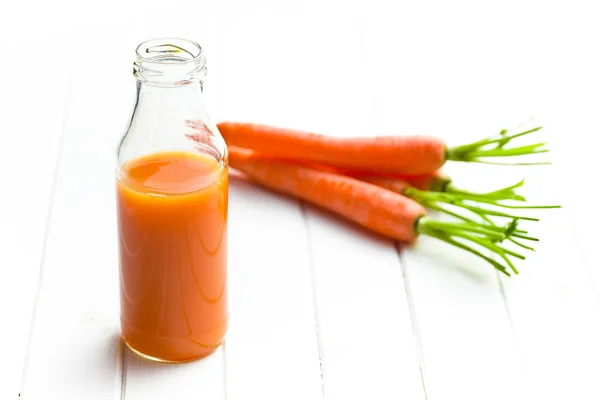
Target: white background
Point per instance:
(319, 308)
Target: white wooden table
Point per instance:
(319, 309)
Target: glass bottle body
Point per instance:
(172, 205)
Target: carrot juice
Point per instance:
(172, 213)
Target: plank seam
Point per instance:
(413, 316)
(313, 285)
(224, 351)
(124, 363)
(511, 322)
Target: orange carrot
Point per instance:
(373, 207)
(410, 155)
(435, 181)
(439, 192)
(394, 184)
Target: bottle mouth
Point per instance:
(169, 60)
(169, 51)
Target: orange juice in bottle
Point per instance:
(172, 202)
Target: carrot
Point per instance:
(411, 155)
(379, 210)
(373, 207)
(431, 198)
(425, 190)
(476, 203)
(436, 181)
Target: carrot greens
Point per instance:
(488, 237)
(495, 146)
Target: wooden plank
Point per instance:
(273, 330)
(468, 344)
(31, 130)
(572, 178)
(75, 351)
(439, 84)
(366, 335)
(271, 346)
(368, 343)
(553, 302)
(551, 307)
(200, 379)
(551, 317)
(328, 68)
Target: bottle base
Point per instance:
(166, 361)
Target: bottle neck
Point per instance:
(188, 97)
(161, 112)
(170, 104)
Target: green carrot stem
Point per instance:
(512, 253)
(520, 244)
(473, 152)
(463, 199)
(479, 234)
(510, 188)
(434, 206)
(484, 198)
(512, 163)
(517, 235)
(445, 185)
(484, 211)
(502, 194)
(492, 202)
(510, 264)
(492, 234)
(456, 200)
(517, 151)
(486, 219)
(502, 139)
(493, 247)
(443, 237)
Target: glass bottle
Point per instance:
(172, 202)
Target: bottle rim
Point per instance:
(169, 50)
(169, 61)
